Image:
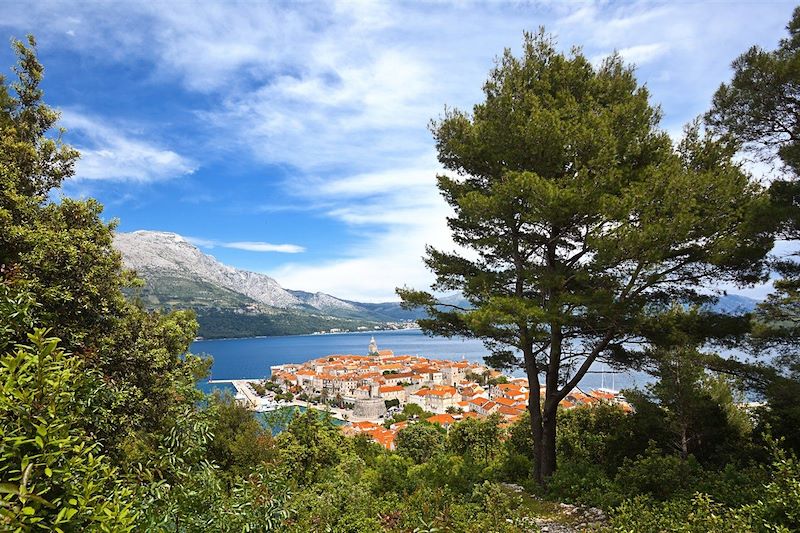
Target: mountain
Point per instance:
(234, 302)
(175, 269)
(734, 304)
(230, 301)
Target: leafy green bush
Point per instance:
(477, 438)
(585, 484)
(53, 476)
(658, 476)
(420, 442)
(697, 515)
(514, 467)
(774, 507)
(590, 434)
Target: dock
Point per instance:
(243, 390)
(251, 399)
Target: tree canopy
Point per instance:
(579, 219)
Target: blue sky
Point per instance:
(291, 138)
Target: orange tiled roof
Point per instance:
(364, 426)
(505, 401)
(603, 395)
(511, 411)
(445, 419)
(403, 375)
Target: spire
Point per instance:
(373, 346)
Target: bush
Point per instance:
(658, 476)
(476, 438)
(585, 484)
(514, 467)
(591, 434)
(776, 507)
(697, 515)
(54, 477)
(419, 442)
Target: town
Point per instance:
(380, 393)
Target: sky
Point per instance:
(291, 138)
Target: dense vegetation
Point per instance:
(103, 429)
(225, 323)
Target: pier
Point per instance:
(243, 390)
(251, 400)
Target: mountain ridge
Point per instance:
(178, 274)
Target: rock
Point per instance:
(513, 487)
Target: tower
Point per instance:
(373, 347)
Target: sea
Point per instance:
(251, 358)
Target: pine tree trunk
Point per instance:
(536, 435)
(548, 447)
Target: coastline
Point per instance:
(369, 331)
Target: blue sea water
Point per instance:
(252, 357)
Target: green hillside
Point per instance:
(172, 291)
(225, 323)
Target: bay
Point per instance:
(251, 358)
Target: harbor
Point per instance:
(247, 396)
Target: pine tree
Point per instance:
(578, 219)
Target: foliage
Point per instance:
(421, 441)
(308, 446)
(657, 475)
(411, 411)
(699, 411)
(758, 106)
(774, 507)
(394, 402)
(583, 219)
(587, 223)
(592, 435)
(54, 477)
(226, 323)
(476, 439)
(584, 483)
(240, 443)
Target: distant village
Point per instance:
(380, 393)
(386, 326)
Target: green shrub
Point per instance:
(421, 441)
(696, 515)
(585, 484)
(590, 434)
(658, 476)
(514, 467)
(53, 476)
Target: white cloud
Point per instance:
(108, 153)
(370, 270)
(340, 94)
(393, 215)
(250, 246)
(643, 53)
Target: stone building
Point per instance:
(372, 407)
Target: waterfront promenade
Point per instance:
(243, 390)
(251, 400)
